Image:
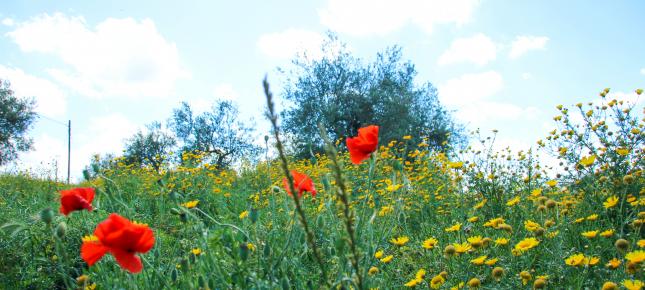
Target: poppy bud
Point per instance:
(267, 250)
(326, 183)
(397, 165)
(184, 263)
(201, 282)
(47, 215)
(172, 195)
(285, 283)
(244, 251)
(275, 189)
(266, 138)
(173, 275)
(253, 215)
(61, 229)
(86, 174)
(175, 211)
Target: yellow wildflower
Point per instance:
(479, 260)
(575, 260)
(190, 204)
(552, 183)
(491, 262)
(633, 284)
(437, 281)
(387, 259)
(588, 161)
(501, 241)
(244, 214)
(454, 228)
(611, 202)
(590, 234)
(636, 257)
(400, 241)
(607, 233)
(531, 226)
(430, 243)
(526, 245)
(513, 201)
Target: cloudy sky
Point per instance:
(111, 68)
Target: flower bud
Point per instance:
(47, 215)
(539, 283)
(61, 230)
(474, 283)
(497, 273)
(621, 245)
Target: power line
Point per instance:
(68, 125)
(52, 119)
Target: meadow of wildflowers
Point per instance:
(381, 215)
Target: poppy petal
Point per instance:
(146, 240)
(127, 260)
(91, 252)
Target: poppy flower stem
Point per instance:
(219, 223)
(348, 214)
(273, 117)
(161, 278)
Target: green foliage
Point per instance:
(344, 93)
(16, 117)
(150, 148)
(218, 133)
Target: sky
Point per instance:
(115, 66)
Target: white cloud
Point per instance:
(369, 17)
(49, 158)
(225, 92)
(470, 88)
(470, 95)
(483, 111)
(116, 58)
(50, 99)
(526, 76)
(478, 49)
(7, 22)
(643, 71)
(287, 44)
(522, 44)
(106, 135)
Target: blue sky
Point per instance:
(112, 68)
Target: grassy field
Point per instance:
(406, 217)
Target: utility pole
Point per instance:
(69, 146)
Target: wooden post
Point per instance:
(69, 147)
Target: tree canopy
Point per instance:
(344, 93)
(16, 118)
(218, 133)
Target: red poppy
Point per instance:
(361, 146)
(76, 199)
(121, 238)
(301, 182)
